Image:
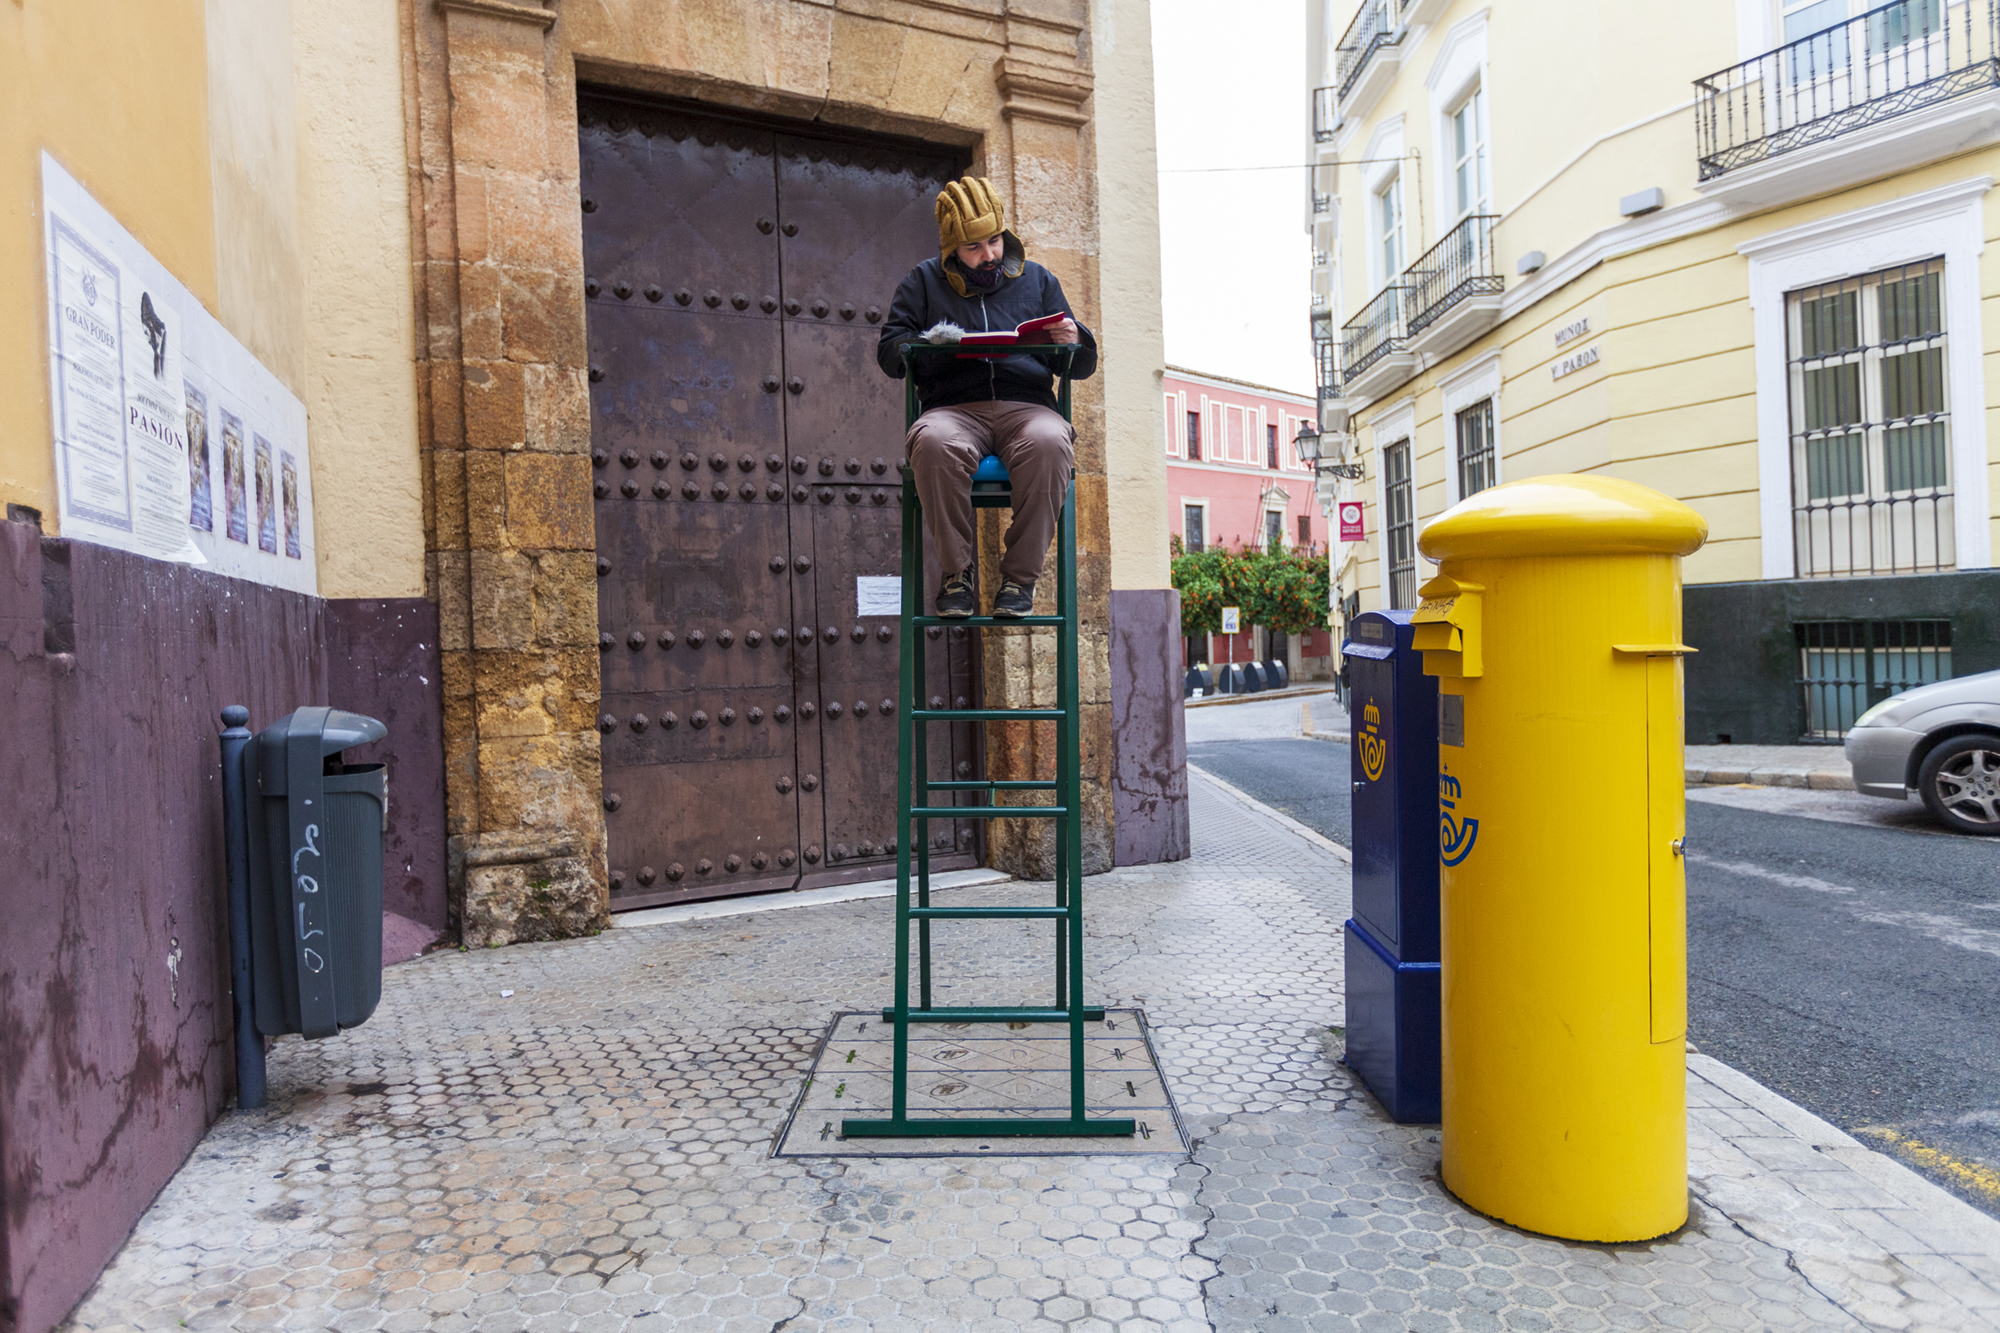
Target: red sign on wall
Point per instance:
(1350, 521)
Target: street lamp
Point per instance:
(1311, 443)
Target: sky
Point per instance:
(1229, 85)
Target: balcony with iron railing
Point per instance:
(1455, 288)
(1376, 25)
(1902, 84)
(1326, 114)
(1374, 345)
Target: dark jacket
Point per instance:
(935, 291)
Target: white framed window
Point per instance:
(1472, 428)
(1871, 424)
(1194, 526)
(1938, 391)
(1388, 205)
(1472, 186)
(1274, 529)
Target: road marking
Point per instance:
(1811, 882)
(1971, 1176)
(1944, 929)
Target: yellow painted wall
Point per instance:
(358, 348)
(256, 148)
(1128, 261)
(1672, 402)
(118, 93)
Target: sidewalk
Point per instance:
(578, 1136)
(1819, 767)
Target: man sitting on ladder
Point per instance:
(983, 281)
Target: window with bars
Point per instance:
(1847, 667)
(1274, 529)
(1305, 531)
(1271, 447)
(1194, 436)
(1193, 520)
(1870, 424)
(1399, 495)
(1478, 468)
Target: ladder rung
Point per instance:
(986, 620)
(973, 1129)
(988, 714)
(984, 913)
(1091, 1014)
(976, 785)
(988, 811)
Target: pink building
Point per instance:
(1234, 479)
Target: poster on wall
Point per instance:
(1351, 527)
(171, 440)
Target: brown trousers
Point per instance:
(1038, 448)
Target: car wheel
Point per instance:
(1960, 783)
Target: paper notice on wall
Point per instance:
(878, 595)
(146, 388)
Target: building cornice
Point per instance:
(1821, 232)
(1224, 382)
(1042, 92)
(507, 10)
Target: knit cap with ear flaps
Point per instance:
(968, 210)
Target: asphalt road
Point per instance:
(1852, 968)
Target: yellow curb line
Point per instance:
(1980, 1180)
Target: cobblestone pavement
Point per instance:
(578, 1136)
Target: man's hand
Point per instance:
(1064, 332)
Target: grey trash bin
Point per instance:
(315, 862)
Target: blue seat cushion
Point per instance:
(991, 469)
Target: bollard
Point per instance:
(1553, 628)
(236, 852)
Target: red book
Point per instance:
(1008, 337)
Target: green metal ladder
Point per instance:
(990, 490)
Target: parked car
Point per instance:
(1941, 741)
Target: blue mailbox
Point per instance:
(1392, 939)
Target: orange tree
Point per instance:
(1287, 590)
(1280, 589)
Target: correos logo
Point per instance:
(1374, 745)
(1456, 832)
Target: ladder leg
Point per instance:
(1069, 842)
(905, 777)
(918, 758)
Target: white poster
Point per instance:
(171, 440)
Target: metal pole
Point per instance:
(236, 837)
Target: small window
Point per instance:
(1191, 528)
(1401, 525)
(1274, 529)
(1305, 531)
(1477, 467)
(1271, 447)
(1471, 191)
(1194, 436)
(1389, 221)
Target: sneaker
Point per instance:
(955, 600)
(1015, 600)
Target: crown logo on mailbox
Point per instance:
(1370, 745)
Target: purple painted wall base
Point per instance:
(1149, 789)
(115, 1039)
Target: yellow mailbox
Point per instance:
(1554, 628)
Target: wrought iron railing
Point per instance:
(1458, 266)
(1911, 533)
(1322, 203)
(1380, 328)
(1379, 24)
(1328, 371)
(1885, 63)
(1847, 667)
(1326, 114)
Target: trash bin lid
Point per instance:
(344, 729)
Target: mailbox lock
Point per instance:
(1680, 846)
